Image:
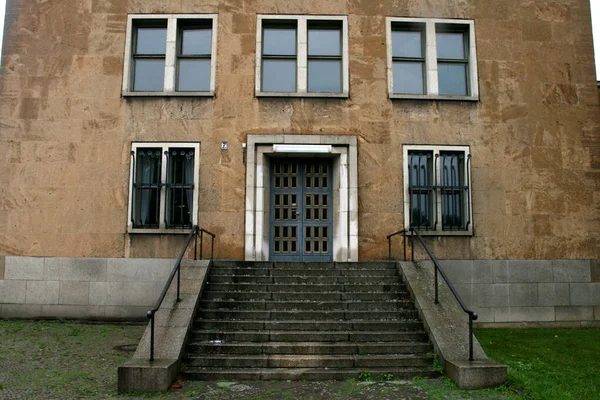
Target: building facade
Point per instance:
(304, 131)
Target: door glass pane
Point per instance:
(452, 79)
(279, 41)
(408, 77)
(196, 41)
(151, 41)
(279, 76)
(194, 75)
(450, 45)
(325, 76)
(149, 75)
(407, 44)
(324, 42)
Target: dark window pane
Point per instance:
(420, 177)
(180, 187)
(196, 41)
(452, 79)
(408, 77)
(325, 76)
(279, 76)
(407, 44)
(279, 41)
(324, 42)
(194, 75)
(450, 45)
(151, 41)
(149, 75)
(146, 190)
(453, 195)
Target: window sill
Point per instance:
(160, 231)
(168, 94)
(468, 233)
(343, 95)
(432, 97)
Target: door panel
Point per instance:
(301, 215)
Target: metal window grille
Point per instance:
(180, 188)
(146, 187)
(148, 184)
(422, 190)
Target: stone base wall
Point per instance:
(529, 292)
(80, 288)
(503, 292)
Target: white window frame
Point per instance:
(170, 83)
(431, 67)
(163, 178)
(467, 177)
(302, 55)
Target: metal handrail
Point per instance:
(177, 270)
(472, 314)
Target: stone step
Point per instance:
(303, 374)
(303, 265)
(308, 348)
(302, 272)
(254, 325)
(372, 305)
(322, 280)
(308, 287)
(263, 336)
(278, 315)
(211, 294)
(307, 361)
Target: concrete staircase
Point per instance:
(313, 321)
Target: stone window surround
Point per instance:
(431, 71)
(162, 228)
(302, 55)
(345, 192)
(170, 56)
(436, 149)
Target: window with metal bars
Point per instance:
(437, 190)
(164, 187)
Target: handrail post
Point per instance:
(470, 337)
(151, 317)
(404, 242)
(412, 244)
(389, 248)
(201, 242)
(435, 279)
(178, 282)
(212, 247)
(196, 245)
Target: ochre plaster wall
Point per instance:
(65, 131)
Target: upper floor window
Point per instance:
(432, 59)
(170, 55)
(163, 194)
(437, 192)
(302, 56)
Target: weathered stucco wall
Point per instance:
(65, 130)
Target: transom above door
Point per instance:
(301, 210)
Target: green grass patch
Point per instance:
(548, 364)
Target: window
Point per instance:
(164, 186)
(437, 192)
(432, 59)
(170, 55)
(302, 56)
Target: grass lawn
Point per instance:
(547, 364)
